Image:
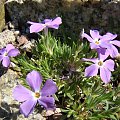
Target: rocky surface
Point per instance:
(2, 15)
(6, 37)
(76, 14)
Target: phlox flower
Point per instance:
(113, 51)
(6, 53)
(41, 95)
(100, 64)
(47, 23)
(95, 40)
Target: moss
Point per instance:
(2, 15)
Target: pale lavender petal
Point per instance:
(36, 27)
(34, 80)
(95, 34)
(21, 93)
(105, 74)
(105, 44)
(92, 70)
(94, 46)
(108, 36)
(109, 64)
(53, 26)
(13, 52)
(2, 51)
(56, 21)
(49, 88)
(116, 42)
(29, 22)
(84, 35)
(6, 61)
(47, 102)
(94, 60)
(47, 20)
(112, 36)
(113, 51)
(27, 107)
(1, 57)
(9, 47)
(103, 53)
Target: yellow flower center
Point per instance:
(37, 95)
(100, 63)
(97, 41)
(5, 54)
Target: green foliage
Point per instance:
(79, 98)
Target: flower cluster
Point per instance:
(35, 94)
(44, 95)
(34, 79)
(105, 45)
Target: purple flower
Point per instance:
(30, 98)
(95, 40)
(113, 51)
(105, 67)
(6, 53)
(47, 23)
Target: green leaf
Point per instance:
(70, 96)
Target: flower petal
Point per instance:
(95, 34)
(94, 46)
(34, 80)
(13, 52)
(108, 36)
(47, 20)
(21, 93)
(103, 53)
(1, 57)
(47, 102)
(9, 47)
(53, 26)
(113, 51)
(109, 64)
(49, 88)
(105, 44)
(116, 42)
(56, 21)
(84, 35)
(94, 60)
(27, 107)
(105, 74)
(2, 51)
(92, 70)
(111, 36)
(36, 27)
(6, 61)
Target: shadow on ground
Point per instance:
(6, 113)
(3, 70)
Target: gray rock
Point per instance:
(6, 37)
(76, 14)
